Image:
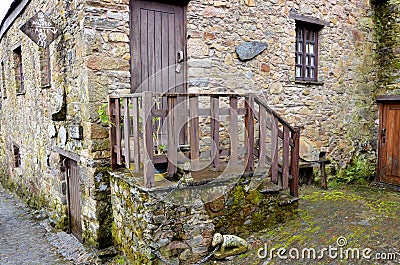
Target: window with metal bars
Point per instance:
(19, 74)
(306, 52)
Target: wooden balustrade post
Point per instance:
(215, 131)
(135, 132)
(117, 122)
(249, 136)
(194, 133)
(285, 160)
(274, 149)
(294, 168)
(112, 129)
(172, 135)
(148, 167)
(262, 156)
(233, 130)
(126, 137)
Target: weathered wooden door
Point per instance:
(389, 142)
(158, 47)
(74, 198)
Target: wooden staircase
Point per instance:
(203, 134)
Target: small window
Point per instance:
(306, 52)
(45, 72)
(19, 74)
(17, 156)
(3, 80)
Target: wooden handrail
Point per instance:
(274, 113)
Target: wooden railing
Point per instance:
(259, 139)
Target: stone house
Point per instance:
(324, 66)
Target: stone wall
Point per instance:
(39, 121)
(91, 59)
(337, 113)
(176, 224)
(387, 15)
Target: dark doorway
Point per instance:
(389, 140)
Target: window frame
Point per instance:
(316, 24)
(18, 70)
(45, 67)
(16, 156)
(3, 79)
(308, 38)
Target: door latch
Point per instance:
(180, 56)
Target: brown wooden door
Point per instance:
(158, 47)
(389, 143)
(74, 198)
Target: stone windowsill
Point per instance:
(315, 83)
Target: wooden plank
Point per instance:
(144, 51)
(263, 138)
(118, 135)
(126, 137)
(159, 112)
(215, 132)
(194, 133)
(135, 46)
(135, 135)
(249, 136)
(294, 167)
(158, 52)
(274, 149)
(233, 130)
(112, 130)
(172, 137)
(285, 160)
(165, 57)
(151, 50)
(148, 140)
(171, 54)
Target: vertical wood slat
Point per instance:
(215, 132)
(135, 136)
(111, 107)
(172, 136)
(148, 139)
(285, 161)
(274, 149)
(127, 127)
(294, 183)
(262, 158)
(249, 140)
(144, 66)
(117, 113)
(233, 130)
(194, 132)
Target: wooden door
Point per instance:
(389, 143)
(74, 198)
(158, 47)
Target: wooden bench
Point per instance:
(321, 162)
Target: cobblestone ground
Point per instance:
(349, 220)
(22, 239)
